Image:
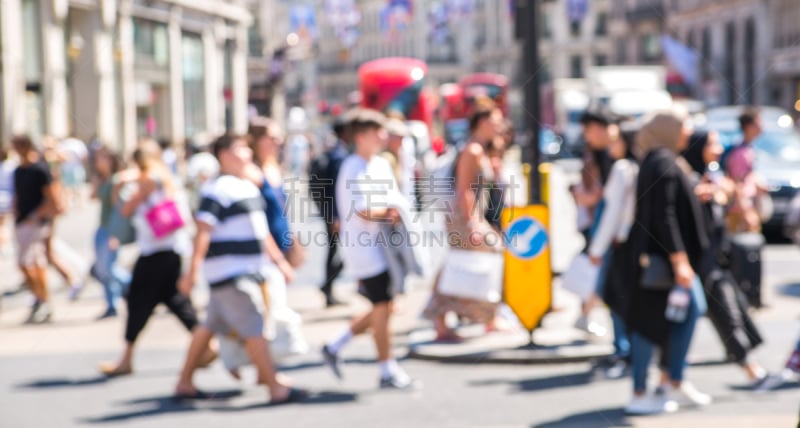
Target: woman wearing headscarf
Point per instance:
(727, 305)
(666, 246)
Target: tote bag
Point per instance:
(580, 277)
(165, 218)
(476, 275)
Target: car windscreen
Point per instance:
(779, 145)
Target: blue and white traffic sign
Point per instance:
(526, 238)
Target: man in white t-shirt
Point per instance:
(365, 188)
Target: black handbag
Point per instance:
(656, 273)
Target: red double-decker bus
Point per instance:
(397, 85)
(489, 85)
(459, 100)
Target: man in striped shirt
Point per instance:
(231, 244)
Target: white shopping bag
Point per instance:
(476, 275)
(581, 277)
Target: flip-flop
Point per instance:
(197, 395)
(295, 395)
(449, 339)
(115, 372)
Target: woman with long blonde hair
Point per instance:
(158, 268)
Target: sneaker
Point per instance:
(756, 384)
(75, 291)
(650, 405)
(331, 302)
(604, 363)
(109, 313)
(590, 327)
(401, 382)
(42, 314)
(618, 370)
(333, 362)
(794, 362)
(687, 396)
(34, 310)
(775, 381)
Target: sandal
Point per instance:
(196, 395)
(112, 371)
(295, 395)
(449, 338)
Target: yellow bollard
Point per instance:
(544, 173)
(526, 172)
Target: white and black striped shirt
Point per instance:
(234, 208)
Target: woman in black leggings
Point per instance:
(158, 268)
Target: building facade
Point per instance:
(784, 57)
(734, 41)
(571, 44)
(636, 27)
(121, 70)
(480, 39)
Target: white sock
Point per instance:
(337, 344)
(390, 368)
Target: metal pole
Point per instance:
(528, 11)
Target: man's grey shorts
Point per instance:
(237, 307)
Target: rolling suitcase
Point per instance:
(745, 265)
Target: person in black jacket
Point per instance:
(322, 188)
(727, 305)
(668, 227)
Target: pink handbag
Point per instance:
(165, 218)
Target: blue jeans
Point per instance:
(679, 341)
(113, 279)
(622, 343)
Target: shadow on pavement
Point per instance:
(553, 382)
(161, 405)
(319, 363)
(710, 363)
(595, 419)
(63, 383)
(316, 398)
(785, 387)
(545, 383)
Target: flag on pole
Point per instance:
(396, 17)
(577, 10)
(303, 22)
(682, 58)
(344, 17)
